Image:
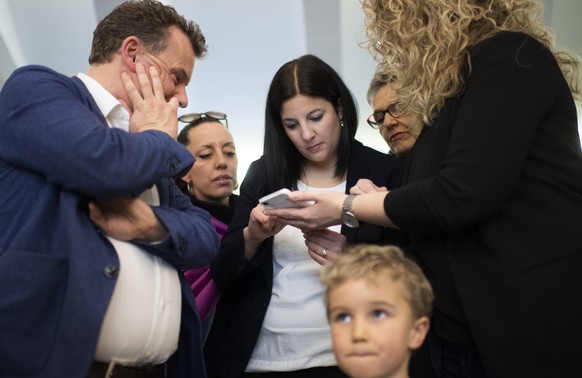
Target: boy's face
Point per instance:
(372, 328)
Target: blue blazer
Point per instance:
(57, 270)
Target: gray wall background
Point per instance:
(249, 40)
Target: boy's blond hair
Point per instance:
(365, 261)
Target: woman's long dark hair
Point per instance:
(309, 76)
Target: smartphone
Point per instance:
(280, 199)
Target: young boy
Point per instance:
(378, 305)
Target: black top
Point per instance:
(221, 212)
(492, 200)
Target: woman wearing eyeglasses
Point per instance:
(209, 184)
(270, 320)
(398, 128)
(492, 191)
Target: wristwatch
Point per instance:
(348, 217)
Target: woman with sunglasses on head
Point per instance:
(211, 181)
(270, 320)
(492, 192)
(209, 184)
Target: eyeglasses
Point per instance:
(161, 63)
(191, 117)
(376, 120)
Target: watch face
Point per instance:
(350, 220)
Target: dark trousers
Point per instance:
(438, 358)
(460, 361)
(318, 372)
(103, 370)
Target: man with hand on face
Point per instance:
(95, 233)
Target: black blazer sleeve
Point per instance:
(383, 170)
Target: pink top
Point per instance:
(205, 291)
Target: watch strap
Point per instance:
(347, 205)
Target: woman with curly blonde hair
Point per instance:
(427, 44)
(491, 196)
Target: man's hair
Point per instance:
(148, 20)
(368, 262)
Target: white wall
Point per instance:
(248, 41)
(565, 21)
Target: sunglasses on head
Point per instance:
(191, 117)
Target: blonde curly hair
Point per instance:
(425, 43)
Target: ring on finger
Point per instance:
(324, 252)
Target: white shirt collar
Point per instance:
(114, 112)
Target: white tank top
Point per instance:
(295, 333)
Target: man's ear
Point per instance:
(131, 47)
(418, 332)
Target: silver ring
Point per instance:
(324, 252)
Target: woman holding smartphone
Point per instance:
(271, 318)
(492, 190)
